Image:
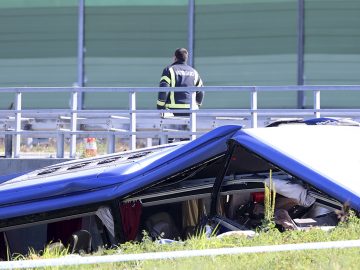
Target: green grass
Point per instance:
(314, 259)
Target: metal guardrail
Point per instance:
(199, 121)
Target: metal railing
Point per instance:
(133, 117)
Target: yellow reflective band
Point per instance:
(172, 98)
(200, 83)
(172, 77)
(160, 103)
(177, 106)
(173, 104)
(166, 79)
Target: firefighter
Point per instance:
(179, 74)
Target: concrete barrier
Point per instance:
(17, 166)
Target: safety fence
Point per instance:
(132, 123)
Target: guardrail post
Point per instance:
(60, 153)
(8, 145)
(111, 144)
(149, 142)
(193, 115)
(254, 107)
(73, 124)
(132, 105)
(17, 136)
(164, 139)
(317, 103)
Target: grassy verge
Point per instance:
(314, 259)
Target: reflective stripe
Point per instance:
(172, 98)
(196, 78)
(197, 81)
(172, 94)
(160, 103)
(180, 106)
(172, 77)
(166, 79)
(177, 106)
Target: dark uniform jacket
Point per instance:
(179, 74)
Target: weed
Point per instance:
(53, 250)
(269, 205)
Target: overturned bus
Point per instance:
(172, 190)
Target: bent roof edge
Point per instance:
(296, 150)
